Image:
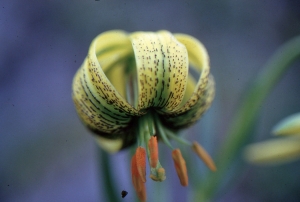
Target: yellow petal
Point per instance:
(204, 91)
(199, 59)
(162, 70)
(99, 104)
(275, 151)
(117, 78)
(111, 146)
(288, 126)
(111, 47)
(191, 85)
(189, 117)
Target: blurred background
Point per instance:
(46, 154)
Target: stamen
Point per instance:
(180, 167)
(141, 162)
(148, 141)
(153, 148)
(135, 174)
(200, 151)
(142, 194)
(138, 185)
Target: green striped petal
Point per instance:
(202, 94)
(100, 106)
(162, 66)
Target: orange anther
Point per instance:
(200, 151)
(142, 194)
(180, 167)
(138, 185)
(153, 148)
(140, 156)
(134, 173)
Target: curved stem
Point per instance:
(245, 117)
(107, 180)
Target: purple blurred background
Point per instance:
(45, 152)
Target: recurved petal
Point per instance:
(198, 58)
(184, 119)
(162, 70)
(101, 107)
(274, 151)
(115, 74)
(112, 47)
(288, 126)
(200, 98)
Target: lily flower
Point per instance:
(279, 150)
(137, 88)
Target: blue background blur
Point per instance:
(45, 152)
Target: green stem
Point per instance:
(245, 118)
(107, 180)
